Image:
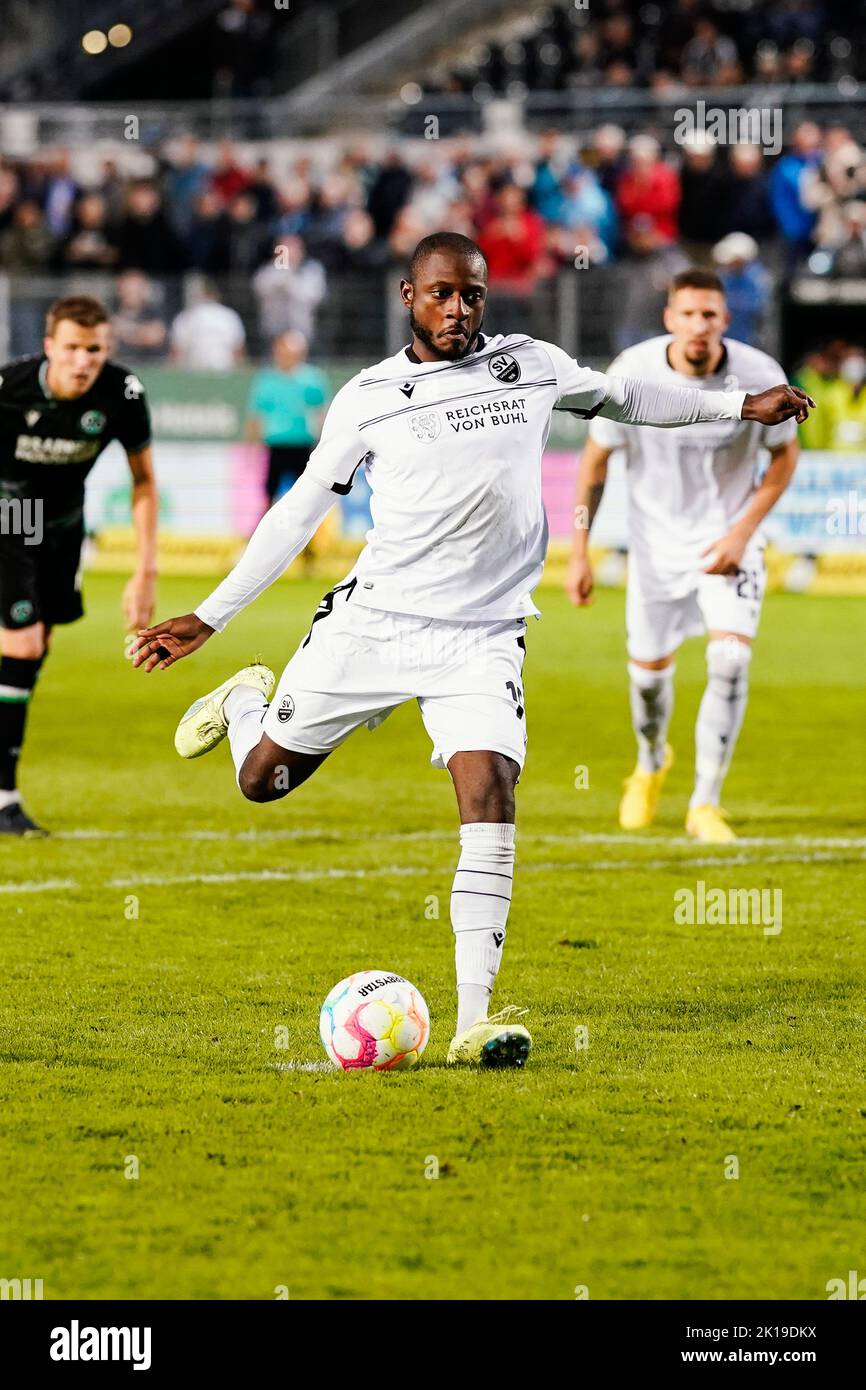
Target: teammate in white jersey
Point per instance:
(696, 554)
(450, 434)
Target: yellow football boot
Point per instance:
(709, 825)
(493, 1042)
(641, 792)
(204, 725)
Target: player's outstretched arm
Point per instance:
(166, 642)
(634, 402)
(281, 534)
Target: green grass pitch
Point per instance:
(154, 1038)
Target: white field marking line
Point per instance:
(414, 871)
(44, 887)
(526, 837)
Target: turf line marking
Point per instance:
(45, 887)
(406, 836)
(417, 870)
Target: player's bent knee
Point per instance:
(728, 662)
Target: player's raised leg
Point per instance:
(720, 719)
(22, 652)
(480, 900)
(651, 700)
(265, 770)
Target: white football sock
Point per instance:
(480, 899)
(9, 799)
(244, 708)
(651, 695)
(720, 716)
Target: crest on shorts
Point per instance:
(505, 368)
(425, 424)
(21, 611)
(286, 709)
(93, 422)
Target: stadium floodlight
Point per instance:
(94, 42)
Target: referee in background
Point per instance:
(285, 411)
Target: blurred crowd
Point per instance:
(276, 227)
(834, 374)
(665, 47)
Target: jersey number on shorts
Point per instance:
(517, 697)
(746, 578)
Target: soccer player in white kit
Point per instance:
(450, 433)
(696, 553)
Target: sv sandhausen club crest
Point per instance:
(425, 424)
(505, 368)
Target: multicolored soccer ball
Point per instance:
(376, 1019)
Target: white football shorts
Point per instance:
(357, 664)
(656, 623)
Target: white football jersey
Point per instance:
(452, 452)
(687, 486)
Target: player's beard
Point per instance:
(429, 342)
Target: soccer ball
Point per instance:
(374, 1019)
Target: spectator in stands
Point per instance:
(186, 179)
(706, 194)
(228, 177)
(112, 190)
(829, 187)
(145, 237)
(849, 256)
(434, 188)
(138, 328)
(652, 264)
(649, 188)
(389, 193)
(550, 165)
(293, 208)
(747, 286)
(208, 336)
(710, 58)
(359, 249)
(794, 219)
(261, 189)
(90, 244)
(289, 290)
(249, 244)
(585, 69)
(606, 156)
(588, 211)
(748, 209)
(847, 403)
(60, 194)
(285, 410)
(208, 238)
(26, 245)
(817, 376)
(512, 242)
(323, 223)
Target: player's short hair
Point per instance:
(695, 279)
(453, 242)
(82, 309)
